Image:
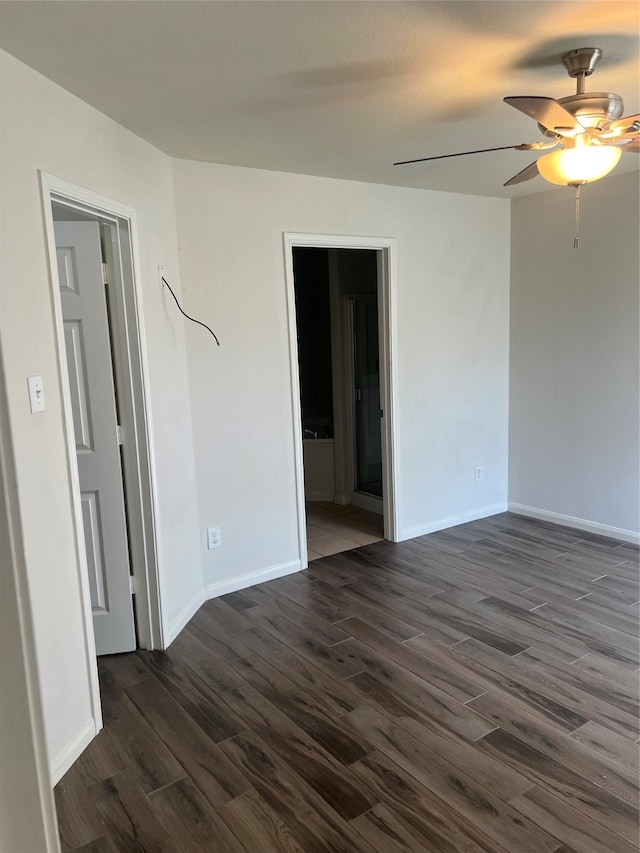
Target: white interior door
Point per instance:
(88, 349)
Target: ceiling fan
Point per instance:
(586, 129)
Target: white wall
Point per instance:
(452, 350)
(27, 811)
(44, 127)
(574, 429)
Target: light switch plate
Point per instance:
(36, 394)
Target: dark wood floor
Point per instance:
(472, 690)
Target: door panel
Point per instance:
(67, 275)
(93, 402)
(76, 361)
(93, 544)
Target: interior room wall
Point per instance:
(574, 430)
(46, 128)
(27, 810)
(451, 338)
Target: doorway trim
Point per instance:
(386, 308)
(137, 451)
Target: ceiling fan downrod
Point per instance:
(581, 64)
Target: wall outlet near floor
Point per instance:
(477, 474)
(214, 539)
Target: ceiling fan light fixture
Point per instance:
(578, 165)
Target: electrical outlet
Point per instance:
(214, 539)
(477, 473)
(161, 276)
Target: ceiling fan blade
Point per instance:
(527, 174)
(459, 154)
(632, 147)
(537, 146)
(628, 124)
(547, 112)
(626, 141)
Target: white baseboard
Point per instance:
(178, 622)
(251, 579)
(451, 521)
(319, 496)
(578, 523)
(72, 751)
(369, 502)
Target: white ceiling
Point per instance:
(331, 88)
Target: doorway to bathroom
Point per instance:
(339, 314)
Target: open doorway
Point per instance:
(341, 341)
(91, 242)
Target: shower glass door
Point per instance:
(366, 371)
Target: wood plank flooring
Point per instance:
(470, 691)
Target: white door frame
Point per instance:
(138, 469)
(386, 309)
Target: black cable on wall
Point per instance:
(193, 320)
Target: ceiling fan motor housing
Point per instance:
(592, 109)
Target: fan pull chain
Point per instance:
(576, 238)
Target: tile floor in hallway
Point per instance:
(332, 528)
